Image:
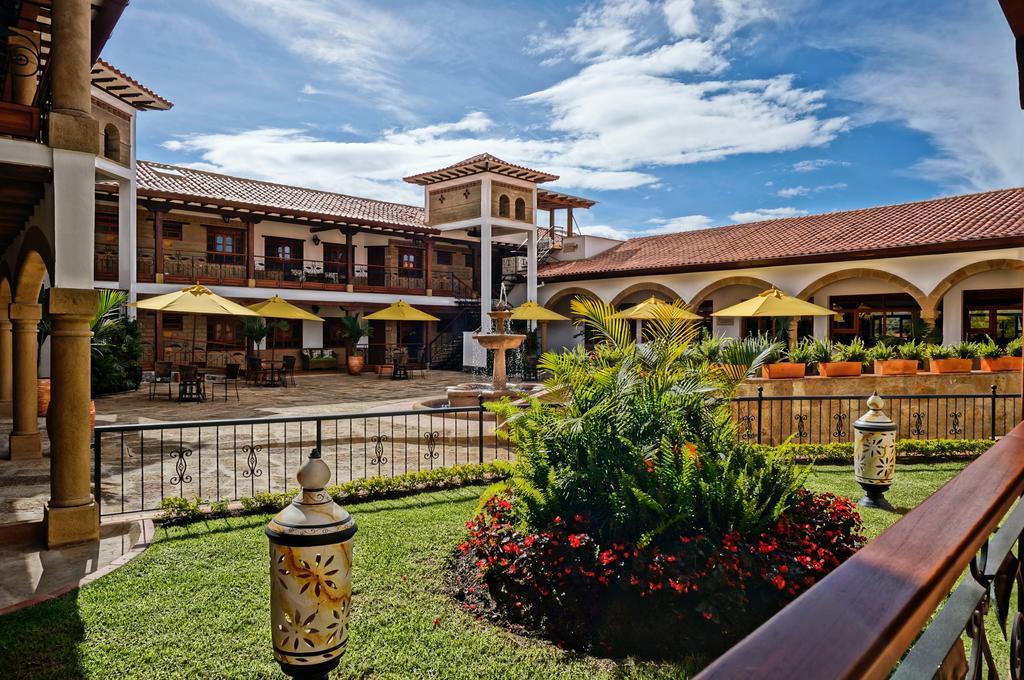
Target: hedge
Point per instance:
(923, 449)
(188, 510)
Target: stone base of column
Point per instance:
(74, 132)
(65, 526)
(26, 446)
(349, 288)
(158, 278)
(6, 409)
(430, 292)
(251, 283)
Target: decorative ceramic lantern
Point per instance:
(310, 577)
(874, 454)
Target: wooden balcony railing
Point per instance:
(860, 620)
(277, 272)
(105, 264)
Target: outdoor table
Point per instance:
(271, 374)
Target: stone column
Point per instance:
(25, 441)
(71, 124)
(71, 515)
(6, 362)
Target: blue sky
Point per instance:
(674, 114)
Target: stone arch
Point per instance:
(966, 272)
(710, 289)
(112, 142)
(503, 206)
(567, 292)
(646, 286)
(520, 209)
(876, 274)
(31, 275)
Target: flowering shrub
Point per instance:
(685, 593)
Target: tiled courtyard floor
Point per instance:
(24, 486)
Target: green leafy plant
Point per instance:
(854, 350)
(1015, 347)
(255, 330)
(822, 350)
(990, 349)
(910, 350)
(965, 350)
(710, 347)
(881, 352)
(803, 352)
(939, 352)
(352, 330)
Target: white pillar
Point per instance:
(531, 267)
(126, 238)
(74, 218)
(485, 254)
(952, 315)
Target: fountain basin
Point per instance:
(499, 341)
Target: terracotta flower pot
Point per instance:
(783, 370)
(43, 397)
(896, 367)
(951, 365)
(355, 364)
(840, 369)
(1000, 364)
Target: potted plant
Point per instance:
(732, 357)
(889, 360)
(996, 359)
(255, 331)
(951, 358)
(821, 351)
(788, 364)
(353, 329)
(846, 360)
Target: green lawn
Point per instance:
(195, 604)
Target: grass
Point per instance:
(195, 604)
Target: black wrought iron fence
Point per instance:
(138, 465)
(824, 419)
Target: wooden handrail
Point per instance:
(859, 620)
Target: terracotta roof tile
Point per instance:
(480, 163)
(925, 224)
(126, 84)
(159, 179)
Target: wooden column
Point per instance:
(158, 245)
(250, 252)
(428, 267)
(158, 338)
(350, 261)
(551, 225)
(568, 221)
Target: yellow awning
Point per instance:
(653, 308)
(196, 299)
(531, 311)
(400, 311)
(773, 302)
(279, 308)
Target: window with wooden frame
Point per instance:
(283, 253)
(224, 332)
(520, 209)
(503, 206)
(873, 317)
(174, 322)
(225, 246)
(286, 334)
(445, 257)
(336, 259)
(172, 231)
(410, 262)
(992, 314)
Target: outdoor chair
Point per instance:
(191, 386)
(401, 366)
(229, 379)
(161, 376)
(253, 370)
(287, 372)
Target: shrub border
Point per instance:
(920, 450)
(180, 511)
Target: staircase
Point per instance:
(445, 350)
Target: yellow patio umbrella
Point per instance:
(197, 299)
(774, 303)
(400, 311)
(653, 308)
(531, 311)
(279, 308)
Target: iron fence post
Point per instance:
(760, 403)
(319, 424)
(480, 428)
(992, 414)
(96, 481)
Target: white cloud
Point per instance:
(962, 98)
(792, 192)
(309, 89)
(766, 214)
(816, 164)
(602, 30)
(606, 231)
(360, 44)
(681, 17)
(676, 224)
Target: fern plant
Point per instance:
(642, 442)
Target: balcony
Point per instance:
(22, 91)
(276, 272)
